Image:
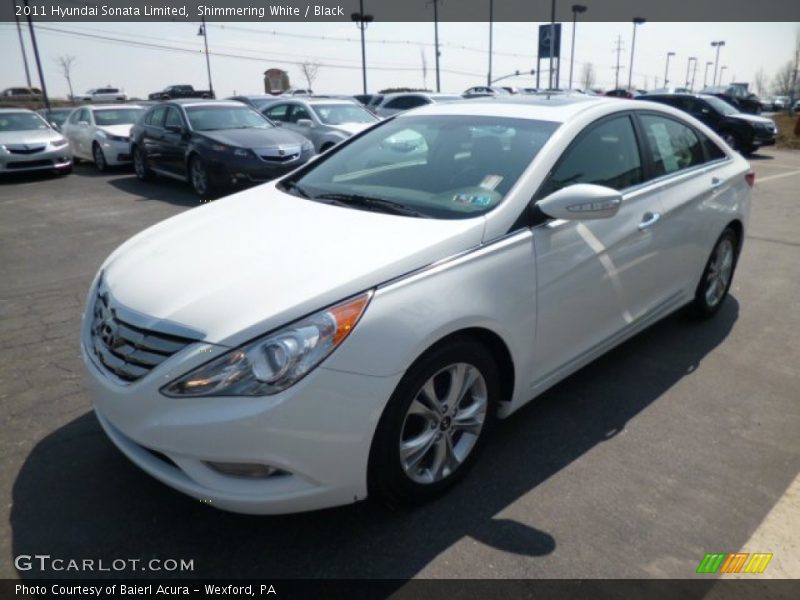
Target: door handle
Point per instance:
(648, 220)
(716, 183)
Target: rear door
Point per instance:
(596, 279)
(173, 142)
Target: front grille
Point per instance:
(24, 149)
(28, 164)
(128, 351)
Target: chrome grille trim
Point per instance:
(128, 351)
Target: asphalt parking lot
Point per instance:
(682, 441)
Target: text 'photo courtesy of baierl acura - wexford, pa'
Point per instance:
(430, 299)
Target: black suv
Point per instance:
(214, 145)
(738, 96)
(741, 131)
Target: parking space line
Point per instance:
(772, 164)
(778, 176)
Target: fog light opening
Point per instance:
(246, 470)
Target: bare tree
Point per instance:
(424, 67)
(588, 76)
(65, 63)
(784, 82)
(760, 82)
(310, 71)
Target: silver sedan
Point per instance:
(28, 143)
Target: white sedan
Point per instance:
(102, 134)
(355, 329)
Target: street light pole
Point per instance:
(552, 42)
(689, 68)
(721, 71)
(576, 10)
(636, 21)
(666, 69)
(204, 32)
(362, 21)
(436, 41)
(718, 44)
(705, 74)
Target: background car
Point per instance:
(324, 121)
(214, 145)
(103, 94)
(298, 92)
(28, 143)
(102, 134)
(21, 93)
(391, 104)
(737, 95)
(780, 103)
(172, 92)
(741, 131)
(257, 101)
(483, 91)
(56, 116)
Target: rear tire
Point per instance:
(428, 439)
(717, 276)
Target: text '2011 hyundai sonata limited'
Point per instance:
(355, 327)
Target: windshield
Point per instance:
(449, 167)
(210, 118)
(117, 116)
(21, 122)
(721, 106)
(336, 114)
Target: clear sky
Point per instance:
(394, 53)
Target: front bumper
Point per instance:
(116, 152)
(318, 432)
(46, 160)
(233, 170)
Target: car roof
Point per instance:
(201, 102)
(557, 108)
(110, 106)
(15, 110)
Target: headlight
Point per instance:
(276, 361)
(241, 152)
(58, 143)
(307, 146)
(118, 138)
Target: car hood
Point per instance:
(31, 136)
(120, 130)
(246, 264)
(752, 118)
(352, 128)
(274, 137)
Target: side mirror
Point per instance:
(580, 202)
(305, 123)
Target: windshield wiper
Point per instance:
(293, 188)
(370, 203)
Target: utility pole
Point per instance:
(362, 21)
(705, 74)
(22, 47)
(491, 24)
(618, 49)
(689, 68)
(719, 44)
(38, 61)
(203, 31)
(436, 40)
(694, 74)
(552, 41)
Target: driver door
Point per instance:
(595, 278)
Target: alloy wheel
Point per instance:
(138, 164)
(443, 423)
(99, 158)
(199, 177)
(719, 272)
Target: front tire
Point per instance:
(143, 172)
(732, 140)
(435, 423)
(717, 276)
(199, 178)
(99, 158)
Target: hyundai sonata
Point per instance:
(356, 327)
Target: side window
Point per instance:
(278, 113)
(713, 151)
(398, 103)
(673, 146)
(607, 154)
(299, 112)
(83, 115)
(156, 118)
(75, 116)
(173, 118)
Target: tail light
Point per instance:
(750, 178)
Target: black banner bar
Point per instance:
(396, 10)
